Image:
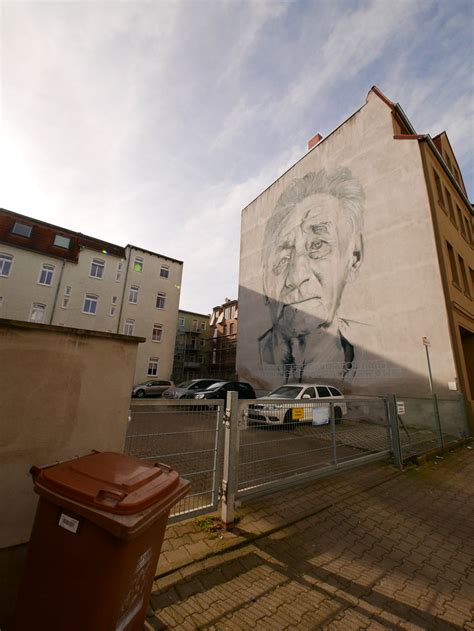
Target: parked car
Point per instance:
(304, 412)
(178, 392)
(220, 389)
(151, 388)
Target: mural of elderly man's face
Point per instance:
(314, 252)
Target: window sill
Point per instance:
(88, 313)
(96, 277)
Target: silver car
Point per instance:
(151, 388)
(187, 387)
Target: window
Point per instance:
(180, 322)
(5, 264)
(128, 327)
(461, 222)
(231, 328)
(22, 229)
(309, 392)
(67, 290)
(160, 301)
(448, 162)
(65, 302)
(232, 311)
(323, 392)
(452, 263)
(46, 274)
(61, 242)
(157, 333)
(133, 294)
(164, 271)
(90, 304)
(194, 326)
(335, 392)
(227, 313)
(201, 343)
(468, 230)
(97, 268)
(138, 264)
(464, 276)
(456, 175)
(37, 312)
(153, 367)
(439, 189)
(118, 275)
(450, 206)
(114, 300)
(203, 326)
(112, 310)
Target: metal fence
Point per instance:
(426, 423)
(242, 449)
(188, 437)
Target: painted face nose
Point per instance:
(298, 276)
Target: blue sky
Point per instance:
(156, 123)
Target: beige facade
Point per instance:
(94, 285)
(340, 278)
(64, 393)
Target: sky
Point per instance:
(156, 123)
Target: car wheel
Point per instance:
(288, 422)
(141, 394)
(337, 414)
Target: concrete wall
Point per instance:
(391, 290)
(64, 392)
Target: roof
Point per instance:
(43, 235)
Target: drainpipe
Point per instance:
(57, 292)
(124, 289)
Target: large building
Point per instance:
(191, 349)
(223, 323)
(53, 275)
(357, 264)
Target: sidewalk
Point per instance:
(372, 548)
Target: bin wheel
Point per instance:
(337, 414)
(141, 394)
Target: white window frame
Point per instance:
(139, 261)
(67, 290)
(153, 366)
(161, 297)
(129, 326)
(48, 270)
(29, 229)
(114, 300)
(157, 328)
(93, 299)
(61, 241)
(65, 302)
(203, 326)
(118, 274)
(96, 265)
(6, 261)
(37, 307)
(165, 271)
(133, 294)
(180, 321)
(112, 310)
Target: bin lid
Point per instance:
(112, 482)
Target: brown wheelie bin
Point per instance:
(95, 544)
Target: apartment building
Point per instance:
(52, 275)
(223, 340)
(357, 265)
(191, 349)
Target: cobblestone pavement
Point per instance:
(369, 549)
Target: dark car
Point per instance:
(220, 389)
(151, 388)
(182, 390)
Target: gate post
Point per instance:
(391, 407)
(229, 481)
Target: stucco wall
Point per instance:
(393, 299)
(64, 392)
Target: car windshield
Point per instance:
(284, 392)
(185, 384)
(215, 386)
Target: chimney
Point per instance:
(314, 141)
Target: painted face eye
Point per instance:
(281, 264)
(318, 249)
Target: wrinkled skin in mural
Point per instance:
(313, 246)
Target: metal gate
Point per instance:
(188, 437)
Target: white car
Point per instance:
(309, 409)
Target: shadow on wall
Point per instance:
(286, 343)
